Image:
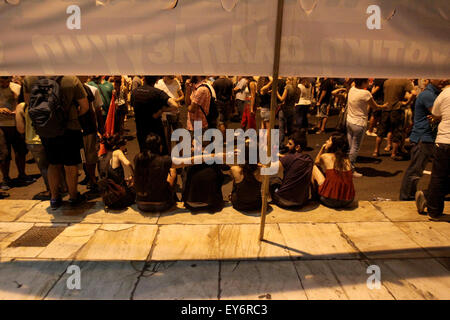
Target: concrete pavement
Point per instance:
(317, 253)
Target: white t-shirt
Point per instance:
(305, 94)
(357, 112)
(441, 108)
(241, 95)
(171, 89)
(98, 102)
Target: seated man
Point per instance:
(293, 189)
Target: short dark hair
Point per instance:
(360, 81)
(151, 80)
(299, 138)
(153, 143)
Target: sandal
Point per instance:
(388, 148)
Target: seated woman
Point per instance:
(155, 177)
(115, 166)
(336, 189)
(246, 193)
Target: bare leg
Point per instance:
(54, 178)
(389, 142)
(377, 145)
(20, 164)
(90, 170)
(5, 169)
(72, 180)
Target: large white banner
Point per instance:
(336, 38)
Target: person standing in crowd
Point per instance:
(172, 87)
(106, 90)
(92, 128)
(136, 82)
(149, 103)
(224, 94)
(359, 101)
(422, 140)
(439, 187)
(304, 104)
(120, 93)
(64, 150)
(323, 103)
(241, 95)
(378, 96)
(249, 117)
(9, 93)
(293, 189)
(286, 114)
(264, 91)
(393, 117)
(335, 188)
(198, 99)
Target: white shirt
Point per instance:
(171, 89)
(357, 109)
(305, 94)
(98, 102)
(241, 95)
(441, 108)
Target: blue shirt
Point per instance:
(422, 130)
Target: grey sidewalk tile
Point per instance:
(186, 242)
(381, 240)
(314, 241)
(415, 279)
(29, 280)
(262, 280)
(119, 242)
(179, 280)
(401, 210)
(10, 210)
(99, 280)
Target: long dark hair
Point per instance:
(340, 149)
(262, 81)
(143, 160)
(113, 142)
(247, 168)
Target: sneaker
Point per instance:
(357, 175)
(56, 203)
(421, 202)
(79, 200)
(6, 184)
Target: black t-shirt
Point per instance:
(223, 88)
(156, 188)
(297, 177)
(328, 87)
(147, 101)
(88, 121)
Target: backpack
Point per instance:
(48, 116)
(213, 114)
(114, 196)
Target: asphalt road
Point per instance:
(382, 176)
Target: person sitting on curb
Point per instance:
(293, 189)
(335, 188)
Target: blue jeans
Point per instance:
(355, 135)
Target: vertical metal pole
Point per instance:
(273, 108)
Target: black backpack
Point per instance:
(213, 114)
(48, 116)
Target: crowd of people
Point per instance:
(412, 115)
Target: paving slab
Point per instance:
(352, 276)
(179, 280)
(228, 215)
(11, 231)
(416, 279)
(119, 242)
(382, 240)
(28, 280)
(265, 280)
(100, 280)
(242, 242)
(314, 212)
(319, 281)
(130, 215)
(186, 242)
(402, 210)
(314, 241)
(69, 242)
(10, 210)
(434, 237)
